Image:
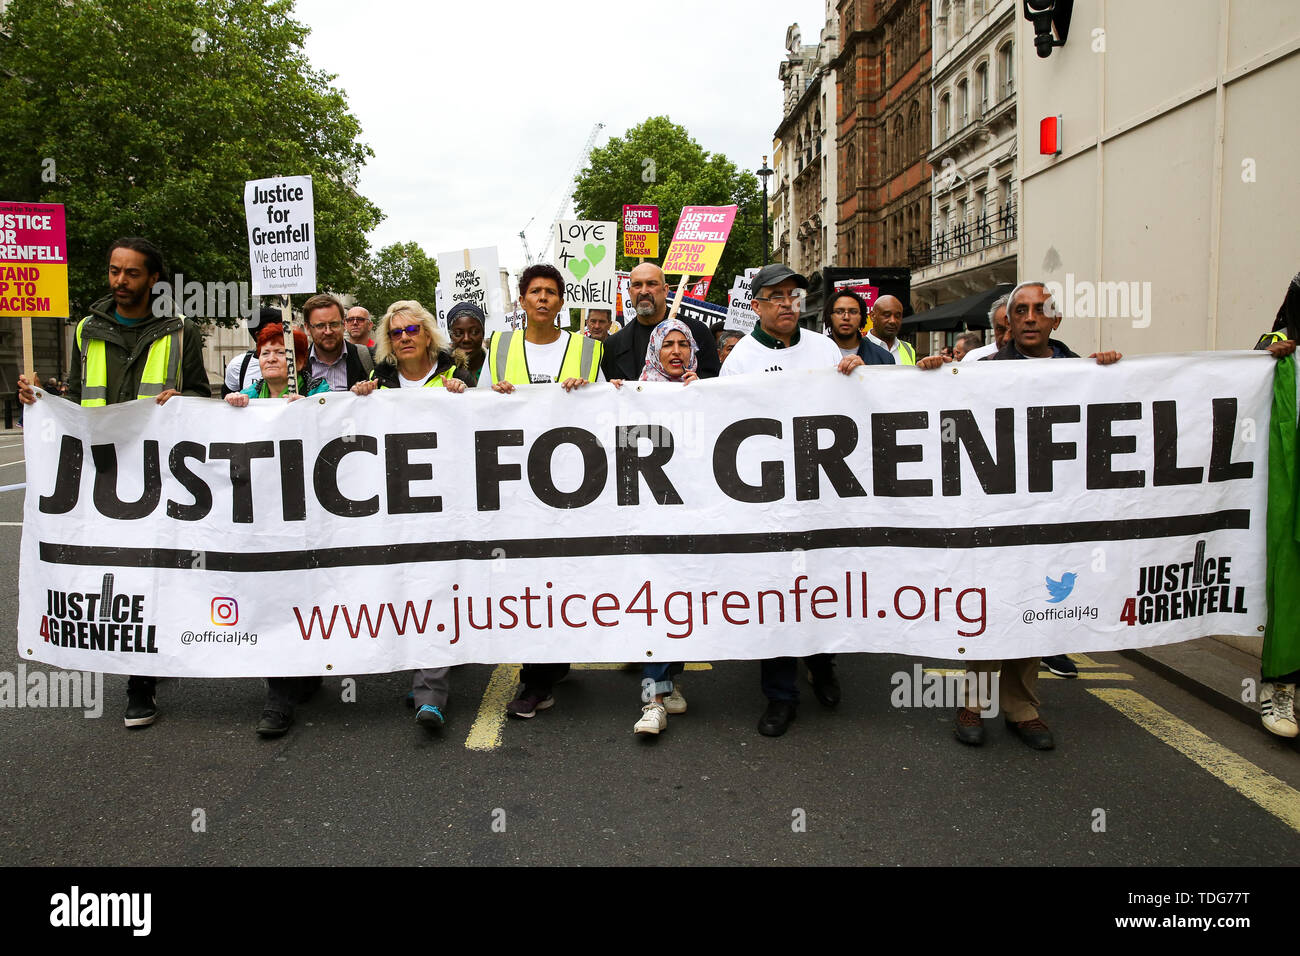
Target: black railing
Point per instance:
(977, 232)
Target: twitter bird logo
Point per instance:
(1060, 590)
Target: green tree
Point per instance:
(658, 163)
(146, 118)
(399, 271)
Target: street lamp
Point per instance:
(763, 173)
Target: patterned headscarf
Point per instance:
(654, 371)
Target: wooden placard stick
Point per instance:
(677, 299)
(290, 358)
(29, 359)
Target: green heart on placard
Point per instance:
(594, 253)
(579, 268)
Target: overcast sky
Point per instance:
(477, 111)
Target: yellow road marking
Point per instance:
(1105, 675)
(1238, 773)
(485, 734)
(1043, 675)
(619, 667)
(1083, 660)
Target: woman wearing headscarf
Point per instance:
(670, 357)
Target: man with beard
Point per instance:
(133, 345)
(625, 351)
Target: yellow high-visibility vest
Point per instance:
(506, 350)
(435, 381)
(161, 368)
(906, 354)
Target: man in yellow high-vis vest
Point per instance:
(541, 353)
(133, 345)
(886, 323)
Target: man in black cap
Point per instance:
(243, 370)
(775, 345)
(625, 350)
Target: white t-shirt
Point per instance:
(974, 355)
(544, 362)
(413, 382)
(811, 351)
(254, 372)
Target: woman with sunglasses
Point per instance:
(412, 352)
(274, 368)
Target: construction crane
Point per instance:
(528, 255)
(564, 203)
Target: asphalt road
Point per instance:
(1143, 774)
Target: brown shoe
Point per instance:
(969, 728)
(1033, 732)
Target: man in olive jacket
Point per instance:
(129, 321)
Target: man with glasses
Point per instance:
(845, 315)
(776, 345)
(359, 328)
(886, 323)
(331, 356)
(1033, 317)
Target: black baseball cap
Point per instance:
(773, 274)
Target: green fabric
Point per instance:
(1281, 655)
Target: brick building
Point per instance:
(884, 130)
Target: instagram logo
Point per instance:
(225, 611)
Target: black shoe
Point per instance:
(825, 687)
(969, 728)
(274, 723)
(778, 717)
(1033, 732)
(1061, 666)
(141, 711)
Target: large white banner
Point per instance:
(1008, 509)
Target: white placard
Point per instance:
(281, 235)
(585, 253)
(470, 275)
(740, 312)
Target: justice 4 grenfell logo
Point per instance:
(1058, 589)
(1193, 588)
(98, 621)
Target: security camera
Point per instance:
(1051, 20)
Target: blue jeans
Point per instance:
(662, 675)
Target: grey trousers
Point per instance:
(430, 686)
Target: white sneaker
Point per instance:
(675, 703)
(1277, 709)
(653, 719)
